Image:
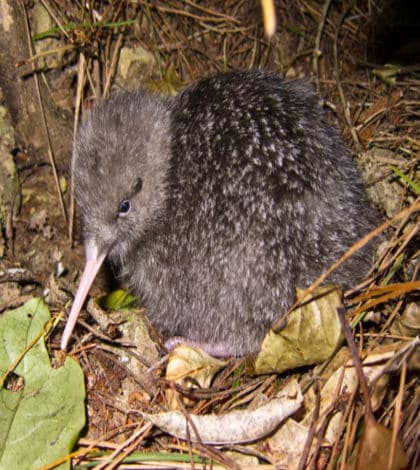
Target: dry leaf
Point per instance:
(373, 367)
(408, 324)
(189, 366)
(236, 427)
(374, 449)
(346, 377)
(311, 335)
(367, 119)
(286, 445)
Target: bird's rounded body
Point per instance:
(239, 192)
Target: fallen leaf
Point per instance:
(373, 450)
(408, 324)
(116, 300)
(285, 447)
(374, 367)
(380, 106)
(311, 335)
(236, 427)
(41, 419)
(189, 367)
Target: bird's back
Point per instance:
(263, 198)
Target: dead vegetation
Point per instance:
(376, 106)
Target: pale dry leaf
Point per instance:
(287, 444)
(186, 361)
(190, 367)
(345, 376)
(236, 427)
(285, 447)
(408, 324)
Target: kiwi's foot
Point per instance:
(214, 349)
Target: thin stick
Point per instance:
(81, 67)
(113, 66)
(130, 444)
(269, 17)
(54, 17)
(317, 47)
(338, 78)
(44, 118)
(341, 311)
(397, 416)
(303, 461)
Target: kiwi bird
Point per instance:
(216, 204)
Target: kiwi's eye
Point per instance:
(125, 207)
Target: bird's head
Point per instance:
(120, 169)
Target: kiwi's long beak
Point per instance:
(93, 263)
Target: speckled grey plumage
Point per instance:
(246, 194)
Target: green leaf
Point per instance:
(40, 422)
(388, 74)
(117, 300)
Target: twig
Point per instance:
(269, 17)
(344, 103)
(312, 429)
(44, 118)
(81, 67)
(345, 421)
(317, 47)
(397, 416)
(175, 11)
(211, 11)
(35, 57)
(132, 442)
(341, 311)
(155, 44)
(54, 17)
(113, 66)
